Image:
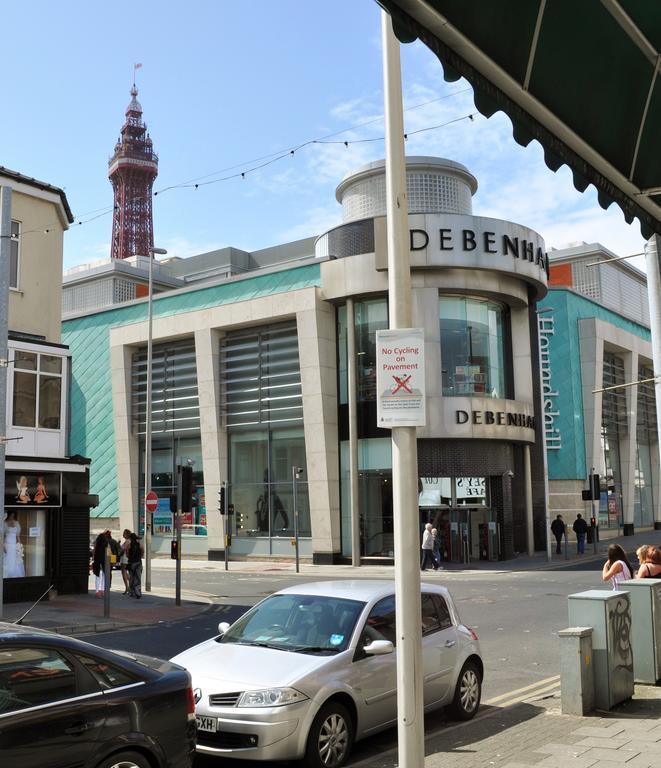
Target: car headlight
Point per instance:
(270, 697)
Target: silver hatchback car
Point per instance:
(312, 668)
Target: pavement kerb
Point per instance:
(109, 625)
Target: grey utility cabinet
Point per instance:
(645, 595)
(609, 615)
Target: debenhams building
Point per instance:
(251, 379)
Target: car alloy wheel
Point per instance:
(467, 693)
(330, 738)
(125, 760)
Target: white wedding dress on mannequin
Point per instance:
(13, 565)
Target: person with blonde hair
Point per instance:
(649, 569)
(427, 548)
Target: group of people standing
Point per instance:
(559, 530)
(431, 549)
(129, 553)
(617, 567)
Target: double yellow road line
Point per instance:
(535, 690)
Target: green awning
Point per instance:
(580, 76)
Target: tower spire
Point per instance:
(132, 170)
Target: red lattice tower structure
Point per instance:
(132, 170)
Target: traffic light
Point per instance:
(174, 549)
(230, 509)
(173, 503)
(221, 500)
(186, 489)
(239, 520)
(595, 487)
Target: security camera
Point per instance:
(509, 473)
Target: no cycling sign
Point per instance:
(400, 378)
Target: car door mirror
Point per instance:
(378, 648)
(223, 627)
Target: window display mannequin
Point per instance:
(23, 493)
(41, 496)
(13, 561)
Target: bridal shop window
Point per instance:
(25, 543)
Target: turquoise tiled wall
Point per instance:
(92, 427)
(568, 463)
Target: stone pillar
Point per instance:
(592, 376)
(317, 353)
(126, 443)
(213, 436)
(527, 481)
(629, 442)
(352, 394)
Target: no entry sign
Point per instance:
(400, 378)
(151, 502)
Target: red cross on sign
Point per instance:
(151, 502)
(402, 383)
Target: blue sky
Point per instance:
(225, 83)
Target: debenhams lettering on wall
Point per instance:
(500, 249)
(470, 242)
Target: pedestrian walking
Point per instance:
(436, 549)
(649, 569)
(558, 529)
(427, 548)
(135, 555)
(580, 529)
(617, 568)
(124, 560)
(101, 543)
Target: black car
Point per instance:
(66, 703)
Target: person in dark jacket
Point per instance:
(135, 554)
(99, 562)
(558, 529)
(580, 529)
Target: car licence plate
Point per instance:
(206, 723)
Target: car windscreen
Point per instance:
(301, 623)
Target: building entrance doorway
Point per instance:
(467, 534)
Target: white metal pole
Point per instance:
(654, 294)
(410, 720)
(5, 257)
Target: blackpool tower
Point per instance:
(132, 170)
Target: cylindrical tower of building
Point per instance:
(132, 170)
(433, 185)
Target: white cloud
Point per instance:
(182, 247)
(314, 221)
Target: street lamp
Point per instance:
(152, 252)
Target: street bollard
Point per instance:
(576, 671)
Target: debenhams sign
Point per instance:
(470, 242)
